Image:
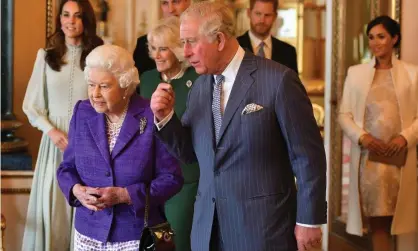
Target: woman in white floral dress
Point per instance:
(56, 84)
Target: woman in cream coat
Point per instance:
(379, 112)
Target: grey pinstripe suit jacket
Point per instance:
(249, 175)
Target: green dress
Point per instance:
(179, 209)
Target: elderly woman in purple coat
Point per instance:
(113, 156)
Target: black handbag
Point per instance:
(156, 238)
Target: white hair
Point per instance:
(216, 17)
(167, 34)
(117, 61)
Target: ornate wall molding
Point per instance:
(396, 10)
(50, 13)
(338, 16)
(15, 190)
(16, 174)
(375, 8)
(16, 182)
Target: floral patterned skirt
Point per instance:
(85, 243)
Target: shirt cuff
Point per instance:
(160, 125)
(310, 226)
(44, 125)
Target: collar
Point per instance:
(231, 71)
(177, 76)
(394, 59)
(255, 41)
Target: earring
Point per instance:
(124, 97)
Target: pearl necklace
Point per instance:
(113, 129)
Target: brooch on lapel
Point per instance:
(189, 83)
(142, 125)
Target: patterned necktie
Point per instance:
(216, 105)
(261, 50)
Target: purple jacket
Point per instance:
(137, 159)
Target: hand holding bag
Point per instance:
(398, 159)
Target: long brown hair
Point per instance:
(56, 42)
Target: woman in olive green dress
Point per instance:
(165, 48)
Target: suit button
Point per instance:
(217, 173)
(213, 200)
(107, 174)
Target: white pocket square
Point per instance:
(251, 108)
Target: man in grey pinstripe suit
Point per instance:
(249, 124)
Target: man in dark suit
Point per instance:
(262, 15)
(250, 125)
(141, 56)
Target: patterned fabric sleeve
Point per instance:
(35, 101)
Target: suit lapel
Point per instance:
(130, 127)
(365, 88)
(275, 50)
(400, 80)
(98, 131)
(247, 43)
(243, 82)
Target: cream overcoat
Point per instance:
(351, 118)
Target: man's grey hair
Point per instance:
(117, 61)
(216, 17)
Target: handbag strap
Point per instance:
(146, 206)
(147, 196)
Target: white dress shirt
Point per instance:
(255, 43)
(230, 73)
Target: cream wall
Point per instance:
(409, 53)
(409, 26)
(129, 19)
